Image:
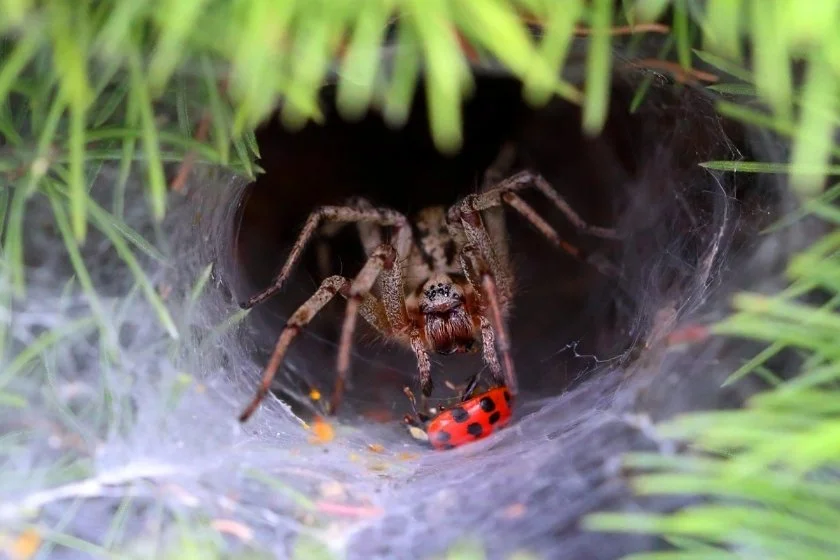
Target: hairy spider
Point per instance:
(445, 291)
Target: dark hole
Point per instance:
(568, 317)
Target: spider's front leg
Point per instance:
(480, 275)
(492, 278)
(370, 308)
(383, 264)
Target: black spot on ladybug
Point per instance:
(447, 446)
(495, 417)
(487, 404)
(507, 396)
(474, 429)
(459, 414)
(442, 437)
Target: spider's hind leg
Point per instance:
(505, 192)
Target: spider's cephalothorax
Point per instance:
(442, 283)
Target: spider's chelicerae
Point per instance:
(447, 290)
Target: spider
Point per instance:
(448, 290)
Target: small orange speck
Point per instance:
(322, 431)
(688, 335)
(315, 394)
(26, 545)
(376, 447)
(379, 415)
(235, 528)
(514, 511)
(406, 456)
(332, 490)
(353, 457)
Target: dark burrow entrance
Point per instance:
(639, 176)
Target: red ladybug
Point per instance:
(473, 419)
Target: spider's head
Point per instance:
(448, 324)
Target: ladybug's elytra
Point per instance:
(474, 418)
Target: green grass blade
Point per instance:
(62, 222)
(182, 16)
(124, 251)
(42, 343)
(598, 68)
(724, 65)
(767, 167)
(772, 79)
(8, 128)
(650, 10)
(724, 19)
(554, 46)
(734, 89)
(12, 66)
(647, 81)
(13, 249)
(446, 70)
(129, 148)
(404, 76)
(78, 194)
(817, 126)
(218, 110)
(151, 147)
(361, 60)
(682, 33)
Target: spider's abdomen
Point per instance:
(434, 243)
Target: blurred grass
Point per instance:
(84, 84)
(766, 473)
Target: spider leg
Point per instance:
(417, 418)
(382, 265)
(371, 310)
(493, 280)
(527, 179)
(393, 298)
(424, 367)
(505, 193)
(494, 331)
(370, 233)
(494, 218)
(480, 243)
(382, 257)
(345, 214)
(472, 383)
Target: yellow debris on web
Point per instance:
(322, 431)
(25, 545)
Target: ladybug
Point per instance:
(475, 417)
